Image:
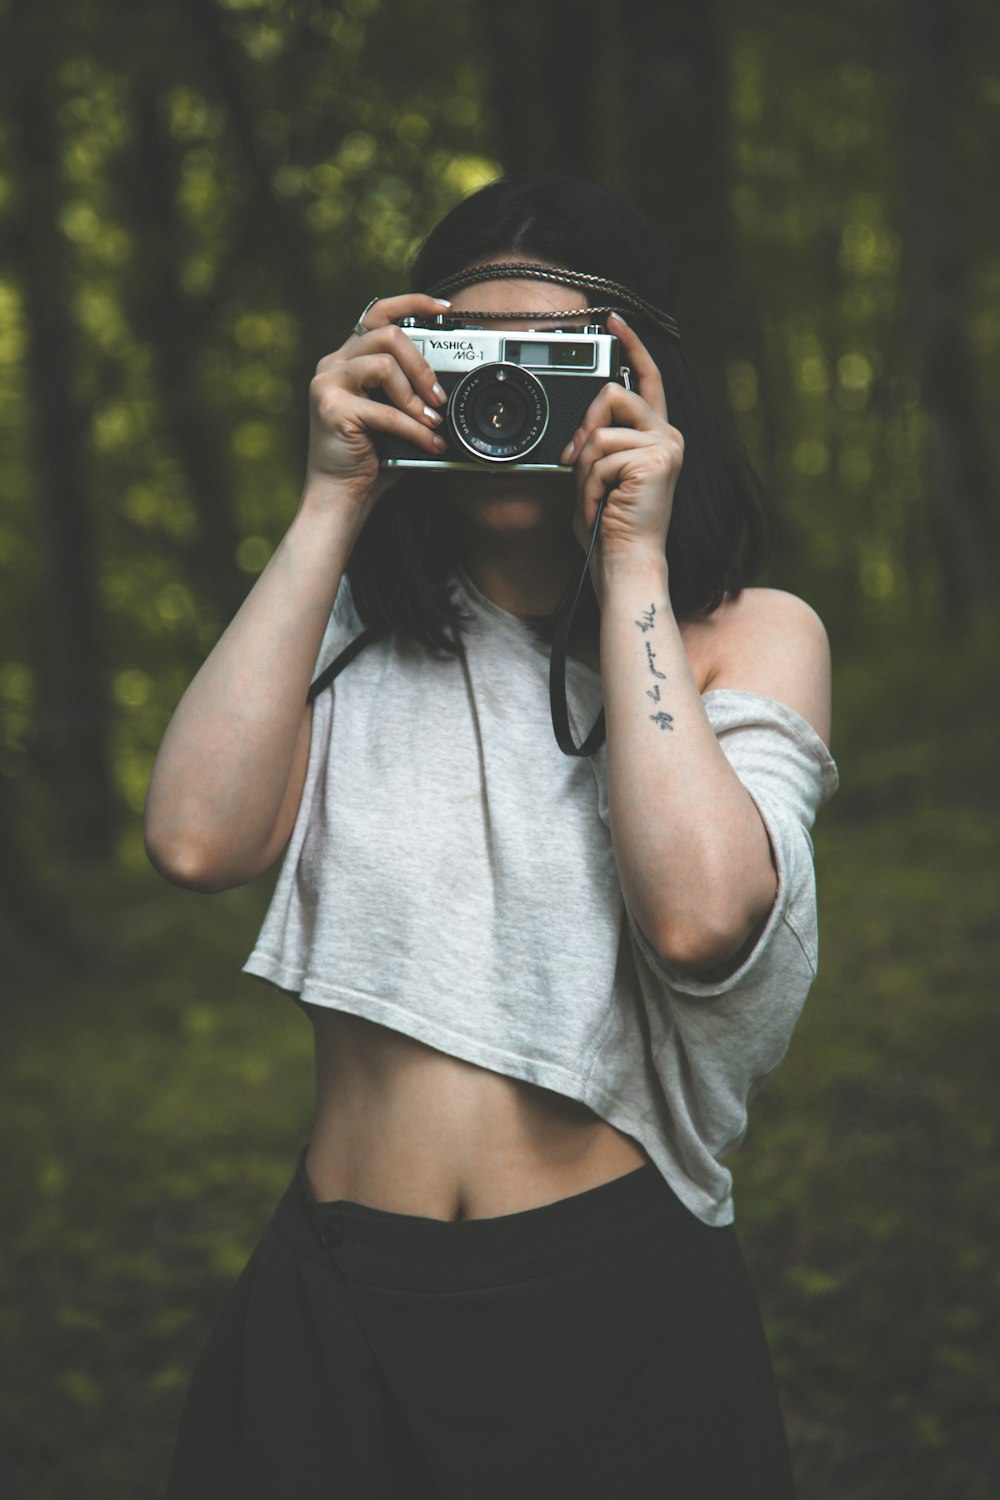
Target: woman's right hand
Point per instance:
(344, 416)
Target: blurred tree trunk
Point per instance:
(677, 168)
(276, 222)
(961, 486)
(543, 73)
(33, 912)
(170, 321)
(274, 225)
(74, 716)
(636, 96)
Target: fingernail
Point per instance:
(440, 444)
(439, 394)
(442, 301)
(567, 452)
(618, 319)
(431, 414)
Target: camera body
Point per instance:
(514, 398)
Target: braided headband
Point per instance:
(518, 270)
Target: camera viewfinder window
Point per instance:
(568, 356)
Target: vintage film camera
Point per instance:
(513, 398)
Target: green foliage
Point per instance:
(158, 1102)
(231, 183)
(235, 180)
(869, 1185)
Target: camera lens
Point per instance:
(499, 412)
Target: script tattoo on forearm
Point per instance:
(662, 718)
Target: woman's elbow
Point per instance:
(185, 864)
(709, 941)
(692, 949)
(186, 855)
(201, 854)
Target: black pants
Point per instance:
(603, 1347)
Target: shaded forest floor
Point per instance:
(157, 1099)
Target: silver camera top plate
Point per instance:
(556, 351)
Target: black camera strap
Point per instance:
(557, 663)
(340, 662)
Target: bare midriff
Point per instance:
(403, 1127)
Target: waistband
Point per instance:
(372, 1246)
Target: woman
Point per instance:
(543, 986)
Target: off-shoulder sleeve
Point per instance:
(719, 1040)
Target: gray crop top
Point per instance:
(451, 875)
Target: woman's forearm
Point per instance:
(228, 778)
(222, 774)
(693, 855)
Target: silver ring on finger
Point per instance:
(359, 327)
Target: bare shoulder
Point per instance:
(770, 642)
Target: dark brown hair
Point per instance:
(403, 560)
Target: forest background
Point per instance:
(196, 199)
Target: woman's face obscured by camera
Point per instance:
(507, 500)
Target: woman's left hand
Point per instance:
(626, 445)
